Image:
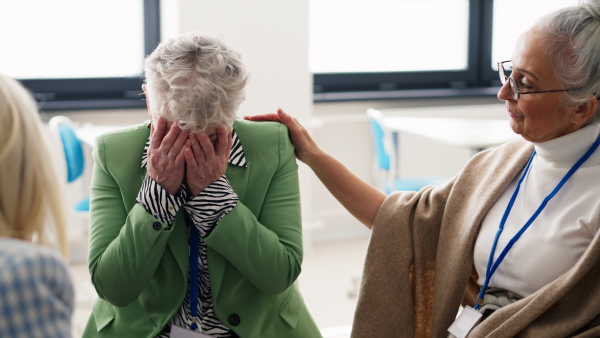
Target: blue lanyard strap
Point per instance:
(492, 266)
(194, 244)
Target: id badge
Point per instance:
(465, 322)
(179, 332)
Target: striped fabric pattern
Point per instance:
(236, 157)
(158, 202)
(205, 211)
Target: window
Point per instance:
(75, 54)
(509, 23)
(369, 49)
(347, 45)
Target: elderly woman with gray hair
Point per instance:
(515, 236)
(195, 224)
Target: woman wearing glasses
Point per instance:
(514, 237)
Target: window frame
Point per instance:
(477, 80)
(98, 93)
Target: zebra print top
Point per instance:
(205, 211)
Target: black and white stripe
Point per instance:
(158, 202)
(214, 202)
(236, 156)
(205, 211)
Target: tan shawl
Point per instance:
(419, 265)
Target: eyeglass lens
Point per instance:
(514, 90)
(504, 70)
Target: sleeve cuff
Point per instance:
(158, 202)
(208, 208)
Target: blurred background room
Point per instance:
(425, 69)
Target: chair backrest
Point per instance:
(385, 163)
(379, 138)
(75, 159)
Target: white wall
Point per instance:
(272, 36)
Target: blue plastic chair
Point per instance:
(386, 150)
(75, 159)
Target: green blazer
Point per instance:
(140, 268)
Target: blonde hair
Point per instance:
(30, 199)
(196, 80)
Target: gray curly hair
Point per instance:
(572, 37)
(196, 80)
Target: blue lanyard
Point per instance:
(492, 266)
(194, 243)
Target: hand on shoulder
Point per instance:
(307, 150)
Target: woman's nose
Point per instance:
(504, 93)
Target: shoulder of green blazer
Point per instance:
(254, 253)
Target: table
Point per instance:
(475, 134)
(88, 132)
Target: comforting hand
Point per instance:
(206, 162)
(166, 161)
(306, 148)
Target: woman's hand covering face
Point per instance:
(205, 161)
(166, 160)
(176, 156)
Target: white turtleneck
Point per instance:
(562, 231)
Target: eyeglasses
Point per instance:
(514, 89)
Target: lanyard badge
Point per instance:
(179, 332)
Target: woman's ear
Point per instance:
(147, 99)
(585, 111)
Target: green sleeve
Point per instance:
(125, 245)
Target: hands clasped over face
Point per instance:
(177, 156)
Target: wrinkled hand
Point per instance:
(166, 161)
(306, 148)
(206, 162)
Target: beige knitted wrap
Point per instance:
(419, 265)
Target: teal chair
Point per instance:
(74, 156)
(386, 164)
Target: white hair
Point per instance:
(196, 80)
(572, 41)
(30, 197)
